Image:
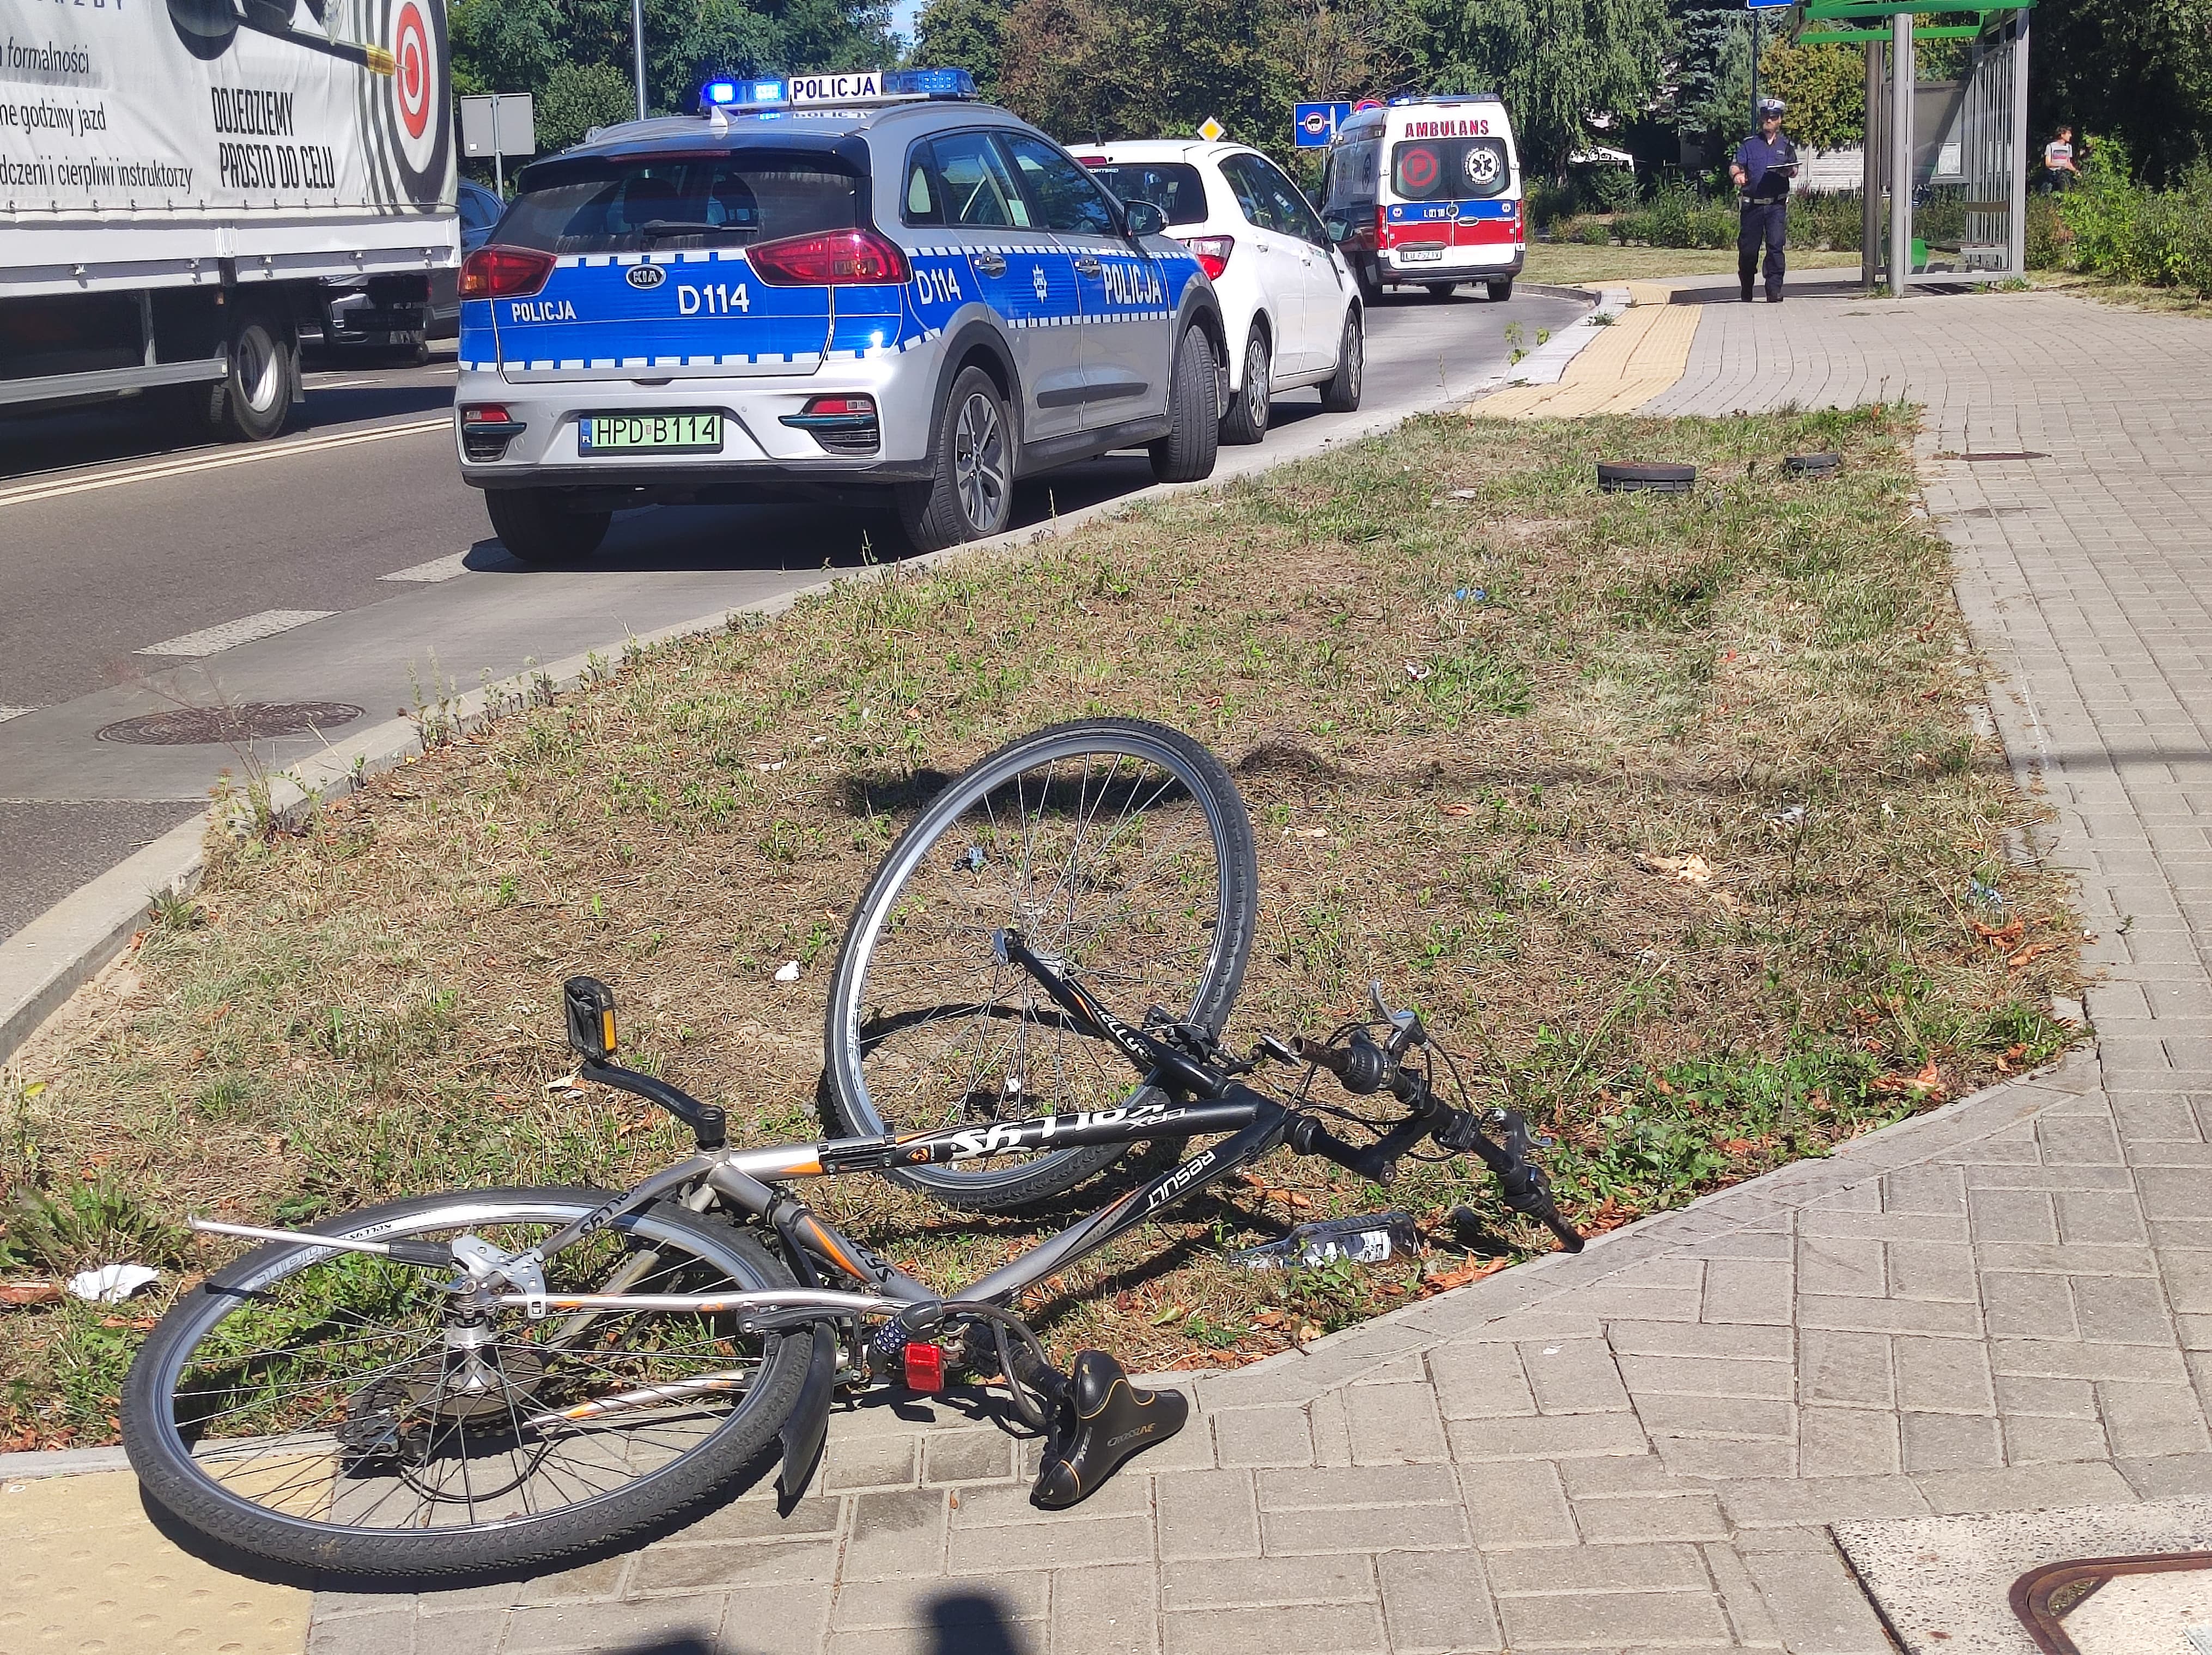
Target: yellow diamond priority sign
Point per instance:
(1212, 130)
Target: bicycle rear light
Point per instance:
(590, 1007)
(925, 1365)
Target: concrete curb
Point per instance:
(1546, 365)
(62, 949)
(62, 1462)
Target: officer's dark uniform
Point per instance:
(1766, 209)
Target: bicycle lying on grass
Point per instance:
(486, 1379)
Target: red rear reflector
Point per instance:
(504, 272)
(486, 413)
(833, 259)
(925, 1366)
(1213, 252)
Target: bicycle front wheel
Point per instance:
(325, 1408)
(1121, 847)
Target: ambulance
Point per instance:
(1426, 192)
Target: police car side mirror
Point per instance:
(1143, 218)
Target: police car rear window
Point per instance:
(626, 206)
(1173, 186)
(1450, 169)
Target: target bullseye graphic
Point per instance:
(412, 74)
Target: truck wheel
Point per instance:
(1186, 453)
(535, 524)
(1440, 289)
(253, 399)
(1367, 277)
(970, 493)
(1247, 418)
(1499, 292)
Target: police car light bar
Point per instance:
(849, 89)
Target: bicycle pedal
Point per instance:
(1100, 1421)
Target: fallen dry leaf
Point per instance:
(1459, 810)
(2014, 962)
(1682, 869)
(29, 1293)
(1998, 936)
(1473, 1270)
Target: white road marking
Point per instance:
(8, 713)
(231, 634)
(39, 491)
(438, 568)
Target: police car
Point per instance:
(839, 286)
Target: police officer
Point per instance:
(1762, 169)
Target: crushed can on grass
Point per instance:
(1368, 1238)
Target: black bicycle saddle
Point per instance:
(1098, 1421)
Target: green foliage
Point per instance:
(2126, 230)
(521, 45)
(1085, 70)
(1556, 62)
(578, 97)
(1825, 86)
(968, 34)
(1831, 219)
(2139, 70)
(83, 1227)
(1679, 216)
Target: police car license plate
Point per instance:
(649, 433)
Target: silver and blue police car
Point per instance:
(837, 287)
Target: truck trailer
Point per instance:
(186, 185)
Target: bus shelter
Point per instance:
(1945, 190)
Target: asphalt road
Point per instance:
(116, 541)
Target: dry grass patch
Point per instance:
(1666, 811)
(1571, 261)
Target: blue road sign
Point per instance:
(1766, 5)
(1313, 124)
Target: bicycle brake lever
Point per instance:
(1406, 1028)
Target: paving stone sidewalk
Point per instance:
(2005, 1305)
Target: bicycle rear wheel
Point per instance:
(317, 1408)
(1118, 846)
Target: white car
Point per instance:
(1291, 309)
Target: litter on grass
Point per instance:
(110, 1284)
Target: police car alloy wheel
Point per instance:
(972, 492)
(1187, 453)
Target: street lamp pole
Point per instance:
(637, 36)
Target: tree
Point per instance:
(1556, 62)
(968, 34)
(578, 97)
(1116, 68)
(1710, 34)
(2139, 70)
(1825, 88)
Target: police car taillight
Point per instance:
(1211, 252)
(504, 272)
(833, 259)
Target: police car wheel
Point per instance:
(1186, 453)
(1249, 406)
(534, 524)
(1340, 394)
(972, 492)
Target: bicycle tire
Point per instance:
(171, 1475)
(1208, 999)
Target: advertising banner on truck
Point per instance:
(155, 110)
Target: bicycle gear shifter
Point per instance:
(1099, 1420)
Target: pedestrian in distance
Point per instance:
(1764, 165)
(2059, 168)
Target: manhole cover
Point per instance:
(204, 726)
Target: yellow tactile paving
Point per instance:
(84, 1573)
(1641, 355)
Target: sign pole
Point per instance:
(637, 34)
(1757, 15)
(498, 160)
